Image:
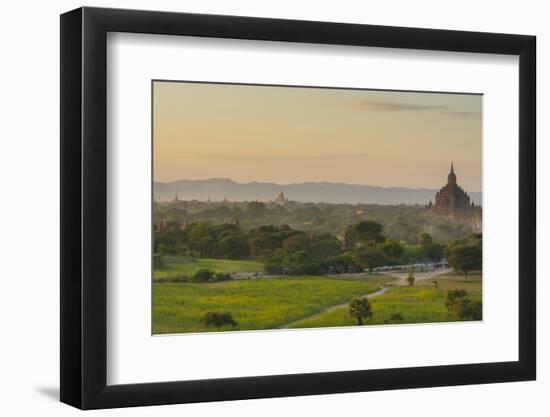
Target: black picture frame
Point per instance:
(84, 207)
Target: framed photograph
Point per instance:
(257, 208)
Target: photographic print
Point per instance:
(288, 207)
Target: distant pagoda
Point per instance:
(281, 199)
(451, 198)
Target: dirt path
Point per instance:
(401, 281)
(332, 308)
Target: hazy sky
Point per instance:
(289, 135)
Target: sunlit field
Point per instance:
(255, 304)
(421, 303)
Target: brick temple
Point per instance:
(451, 198)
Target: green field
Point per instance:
(296, 302)
(174, 265)
(255, 304)
(421, 303)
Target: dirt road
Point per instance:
(401, 281)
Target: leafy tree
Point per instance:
(218, 320)
(360, 308)
(369, 257)
(295, 243)
(325, 248)
(203, 239)
(368, 232)
(430, 250)
(465, 258)
(393, 250)
(233, 247)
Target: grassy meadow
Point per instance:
(421, 303)
(295, 301)
(255, 304)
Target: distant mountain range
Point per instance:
(316, 192)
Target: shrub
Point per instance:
(410, 277)
(453, 296)
(218, 320)
(203, 275)
(458, 302)
(469, 310)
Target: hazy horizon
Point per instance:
(293, 135)
(298, 183)
(221, 189)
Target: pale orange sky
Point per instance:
(290, 135)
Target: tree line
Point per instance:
(285, 250)
(400, 222)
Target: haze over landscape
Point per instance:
(284, 135)
(218, 189)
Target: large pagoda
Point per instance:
(451, 198)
